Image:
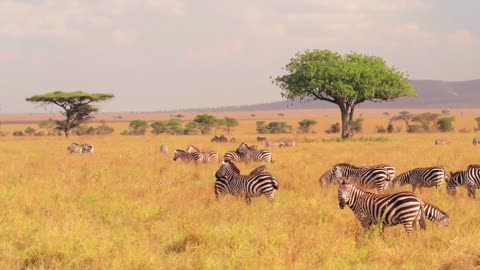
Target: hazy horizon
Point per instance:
(158, 55)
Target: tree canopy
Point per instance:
(344, 80)
(76, 106)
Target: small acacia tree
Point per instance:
(346, 80)
(76, 106)
(230, 122)
(305, 125)
(404, 116)
(205, 122)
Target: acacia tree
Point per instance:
(404, 116)
(76, 106)
(345, 80)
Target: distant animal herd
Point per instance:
(385, 208)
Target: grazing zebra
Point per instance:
(376, 177)
(457, 179)
(196, 157)
(274, 144)
(253, 154)
(221, 184)
(289, 143)
(422, 177)
(327, 178)
(87, 148)
(75, 148)
(399, 208)
(250, 186)
(435, 214)
(441, 142)
(476, 141)
(392, 172)
(164, 148)
(192, 149)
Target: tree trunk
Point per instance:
(347, 111)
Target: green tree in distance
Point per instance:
(306, 124)
(345, 80)
(77, 107)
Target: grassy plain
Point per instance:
(127, 206)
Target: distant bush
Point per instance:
(380, 129)
(17, 133)
(357, 125)
(39, 133)
(273, 127)
(390, 128)
(415, 128)
(445, 124)
(334, 128)
(29, 131)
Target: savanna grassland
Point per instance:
(128, 206)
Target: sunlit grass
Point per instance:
(128, 206)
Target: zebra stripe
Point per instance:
(400, 208)
(253, 154)
(435, 214)
(369, 177)
(233, 156)
(196, 157)
(221, 184)
(422, 177)
(473, 179)
(327, 178)
(80, 148)
(476, 141)
(457, 179)
(253, 185)
(163, 148)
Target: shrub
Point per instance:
(381, 129)
(445, 124)
(39, 133)
(17, 133)
(334, 128)
(357, 125)
(390, 128)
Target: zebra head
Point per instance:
(344, 190)
(327, 178)
(227, 170)
(456, 179)
(178, 154)
(338, 171)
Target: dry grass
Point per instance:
(127, 206)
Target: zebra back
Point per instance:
(435, 214)
(457, 179)
(399, 208)
(192, 149)
(376, 177)
(232, 156)
(422, 177)
(204, 157)
(184, 156)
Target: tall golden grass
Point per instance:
(128, 206)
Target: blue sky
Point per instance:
(172, 54)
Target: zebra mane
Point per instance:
(346, 164)
(181, 151)
(231, 165)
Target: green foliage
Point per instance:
(357, 125)
(344, 80)
(138, 127)
(445, 112)
(261, 127)
(205, 122)
(29, 131)
(230, 122)
(273, 127)
(426, 120)
(334, 128)
(306, 124)
(172, 126)
(76, 106)
(404, 116)
(190, 128)
(47, 124)
(445, 124)
(90, 130)
(83, 130)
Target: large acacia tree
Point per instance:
(345, 80)
(77, 107)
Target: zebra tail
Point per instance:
(422, 222)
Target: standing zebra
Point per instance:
(75, 148)
(195, 157)
(392, 172)
(253, 154)
(192, 149)
(250, 186)
(473, 176)
(476, 141)
(221, 184)
(369, 177)
(163, 148)
(400, 208)
(435, 214)
(422, 177)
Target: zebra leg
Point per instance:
(471, 192)
(248, 199)
(269, 196)
(408, 226)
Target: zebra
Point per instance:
(192, 149)
(326, 178)
(250, 186)
(441, 142)
(457, 179)
(87, 148)
(253, 154)
(476, 141)
(422, 177)
(388, 209)
(221, 184)
(274, 144)
(435, 214)
(369, 177)
(289, 143)
(392, 172)
(164, 148)
(196, 157)
(232, 156)
(473, 179)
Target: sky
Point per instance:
(175, 54)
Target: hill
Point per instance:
(431, 94)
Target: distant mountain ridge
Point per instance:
(431, 94)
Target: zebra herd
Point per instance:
(80, 148)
